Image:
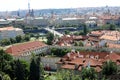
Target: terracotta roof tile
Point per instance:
(19, 49)
(68, 66)
(113, 56)
(84, 59)
(113, 45)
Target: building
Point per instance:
(10, 32)
(109, 19)
(36, 21)
(111, 36)
(25, 49)
(40, 21)
(77, 60)
(49, 63)
(68, 40)
(91, 22)
(100, 38)
(4, 22)
(69, 21)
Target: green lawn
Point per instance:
(52, 77)
(40, 39)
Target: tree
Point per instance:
(88, 73)
(5, 42)
(76, 43)
(4, 60)
(50, 38)
(106, 45)
(67, 32)
(85, 29)
(6, 77)
(112, 27)
(18, 70)
(18, 38)
(26, 38)
(67, 75)
(37, 36)
(109, 68)
(59, 52)
(81, 43)
(12, 40)
(36, 71)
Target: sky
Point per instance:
(10, 5)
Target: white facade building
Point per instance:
(10, 32)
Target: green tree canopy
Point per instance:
(18, 70)
(50, 38)
(85, 29)
(18, 38)
(26, 38)
(4, 60)
(109, 68)
(36, 71)
(6, 77)
(112, 27)
(12, 40)
(66, 75)
(88, 73)
(67, 32)
(5, 42)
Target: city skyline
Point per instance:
(11, 5)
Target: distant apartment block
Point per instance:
(10, 32)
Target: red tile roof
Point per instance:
(17, 50)
(114, 57)
(8, 28)
(72, 55)
(97, 33)
(67, 40)
(80, 37)
(109, 17)
(92, 59)
(68, 66)
(113, 45)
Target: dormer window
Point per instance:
(92, 57)
(97, 57)
(84, 61)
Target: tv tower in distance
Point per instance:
(29, 6)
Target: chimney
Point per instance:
(111, 51)
(74, 57)
(68, 54)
